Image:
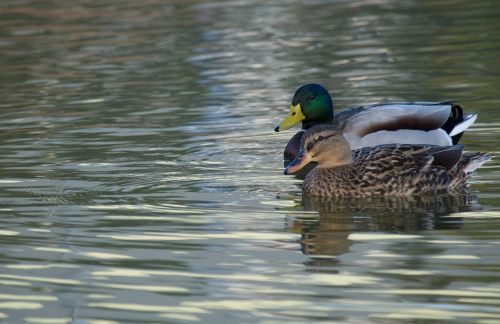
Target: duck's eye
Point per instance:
(320, 138)
(311, 97)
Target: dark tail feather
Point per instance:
(446, 156)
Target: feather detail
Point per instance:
(447, 156)
(466, 123)
(391, 117)
(475, 161)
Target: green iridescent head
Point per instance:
(311, 105)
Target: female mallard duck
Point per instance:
(405, 123)
(397, 169)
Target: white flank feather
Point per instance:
(468, 121)
(402, 136)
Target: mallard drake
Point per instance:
(436, 123)
(391, 169)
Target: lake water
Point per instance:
(141, 180)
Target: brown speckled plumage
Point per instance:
(398, 169)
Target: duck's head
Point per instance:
(311, 105)
(323, 144)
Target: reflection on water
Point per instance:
(329, 233)
(141, 179)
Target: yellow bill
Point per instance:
(294, 116)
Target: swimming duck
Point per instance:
(391, 169)
(436, 123)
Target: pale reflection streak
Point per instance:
(246, 305)
(149, 308)
(480, 301)
(281, 203)
(254, 289)
(100, 296)
(106, 256)
(408, 272)
(39, 266)
(54, 320)
(52, 249)
(20, 305)
(155, 236)
(58, 281)
(8, 233)
(305, 279)
(477, 214)
(435, 314)
(160, 218)
(181, 317)
(455, 257)
(39, 230)
(28, 297)
(410, 310)
(470, 293)
(163, 208)
(380, 236)
(14, 283)
(158, 289)
(95, 255)
(383, 254)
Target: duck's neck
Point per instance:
(306, 124)
(326, 117)
(337, 159)
(334, 164)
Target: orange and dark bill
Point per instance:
(301, 160)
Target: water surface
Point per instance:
(141, 180)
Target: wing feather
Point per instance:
(395, 116)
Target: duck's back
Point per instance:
(430, 123)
